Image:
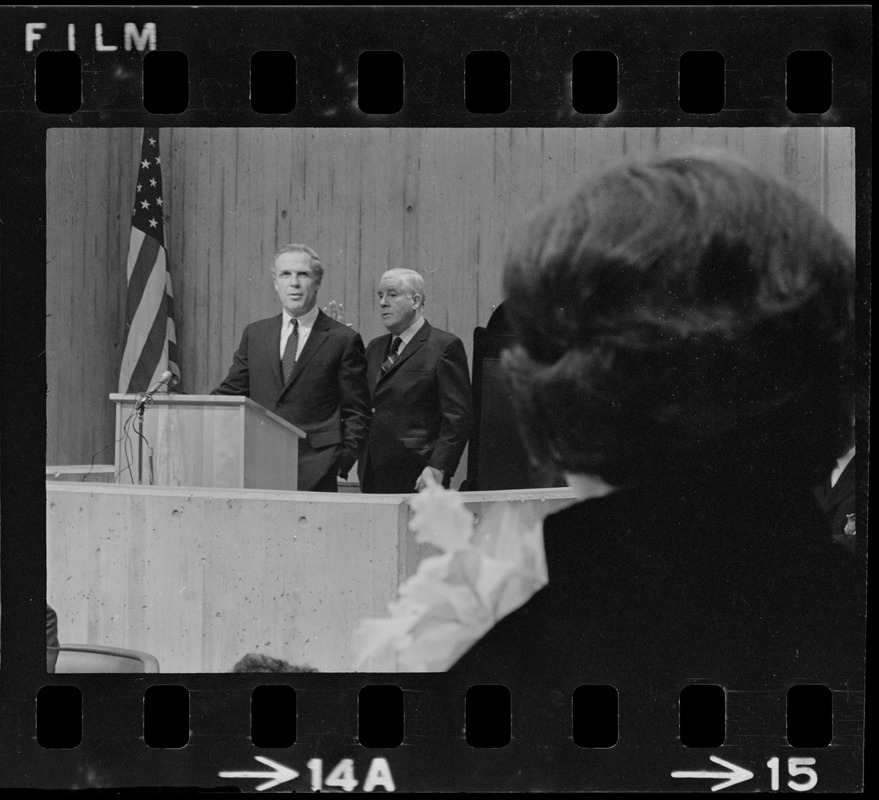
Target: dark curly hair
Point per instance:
(678, 315)
(257, 662)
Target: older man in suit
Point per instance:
(419, 384)
(308, 369)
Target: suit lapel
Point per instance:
(272, 345)
(409, 350)
(319, 334)
(375, 358)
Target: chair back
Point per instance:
(83, 658)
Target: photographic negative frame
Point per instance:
(539, 121)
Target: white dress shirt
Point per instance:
(306, 323)
(841, 464)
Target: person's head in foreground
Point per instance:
(686, 316)
(257, 662)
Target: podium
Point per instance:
(206, 440)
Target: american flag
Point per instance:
(150, 336)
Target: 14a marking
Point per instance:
(342, 775)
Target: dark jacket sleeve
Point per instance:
(353, 402)
(237, 382)
(456, 407)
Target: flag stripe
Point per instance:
(151, 303)
(172, 328)
(150, 354)
(146, 265)
(135, 240)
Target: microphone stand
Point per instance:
(143, 400)
(140, 444)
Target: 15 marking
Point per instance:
(796, 768)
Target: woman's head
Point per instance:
(666, 309)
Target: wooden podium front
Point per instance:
(206, 440)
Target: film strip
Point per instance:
(425, 94)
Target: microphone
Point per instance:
(165, 378)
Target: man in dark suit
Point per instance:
(308, 369)
(419, 384)
(836, 496)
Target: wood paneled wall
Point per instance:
(367, 199)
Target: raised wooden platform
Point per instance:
(200, 577)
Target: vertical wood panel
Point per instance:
(203, 251)
(247, 209)
(484, 227)
(84, 214)
(346, 227)
(458, 204)
(224, 221)
(497, 231)
(58, 215)
(411, 192)
(184, 191)
(432, 209)
(233, 195)
(94, 265)
(393, 231)
(367, 261)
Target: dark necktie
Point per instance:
(392, 355)
(289, 359)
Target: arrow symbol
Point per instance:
(279, 774)
(730, 777)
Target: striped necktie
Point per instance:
(392, 354)
(289, 359)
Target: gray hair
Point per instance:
(316, 266)
(412, 281)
